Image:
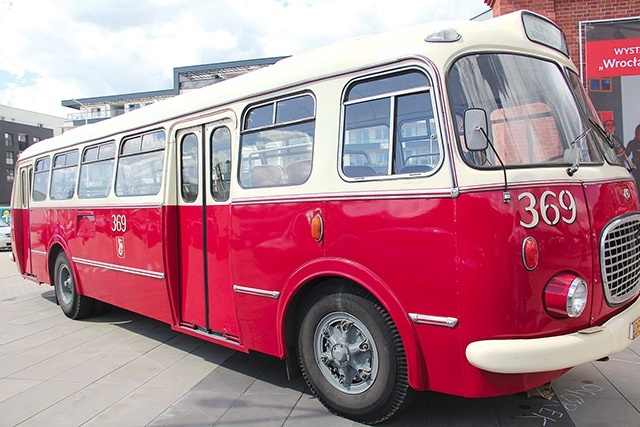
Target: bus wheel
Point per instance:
(73, 305)
(351, 355)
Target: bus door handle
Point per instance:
(86, 226)
(85, 214)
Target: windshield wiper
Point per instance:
(612, 143)
(603, 133)
(576, 163)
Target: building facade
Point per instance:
(91, 110)
(19, 129)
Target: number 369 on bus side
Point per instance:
(118, 223)
(551, 208)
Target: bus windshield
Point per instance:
(534, 119)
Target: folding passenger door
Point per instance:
(204, 168)
(22, 226)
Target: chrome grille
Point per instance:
(620, 259)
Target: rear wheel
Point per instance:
(352, 356)
(73, 305)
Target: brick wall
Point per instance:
(568, 14)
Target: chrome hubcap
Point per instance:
(346, 353)
(66, 284)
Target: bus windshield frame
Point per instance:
(536, 116)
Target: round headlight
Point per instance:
(566, 296)
(576, 297)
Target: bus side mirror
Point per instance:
(475, 129)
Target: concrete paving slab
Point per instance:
(139, 408)
(80, 406)
(197, 408)
(35, 400)
(310, 412)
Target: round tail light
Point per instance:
(566, 296)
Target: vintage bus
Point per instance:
(435, 208)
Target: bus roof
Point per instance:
(504, 33)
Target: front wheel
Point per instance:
(73, 305)
(352, 356)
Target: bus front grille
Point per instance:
(620, 259)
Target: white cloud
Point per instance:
(64, 49)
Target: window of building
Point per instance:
(96, 171)
(63, 175)
(140, 165)
(8, 139)
(41, 179)
(277, 142)
(600, 85)
(10, 175)
(10, 157)
(389, 127)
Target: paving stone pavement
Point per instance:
(121, 369)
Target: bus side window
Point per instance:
(390, 127)
(220, 164)
(63, 175)
(41, 179)
(140, 165)
(96, 171)
(277, 143)
(189, 168)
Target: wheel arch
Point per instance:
(56, 248)
(323, 272)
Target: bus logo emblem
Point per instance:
(120, 246)
(626, 193)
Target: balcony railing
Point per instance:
(93, 115)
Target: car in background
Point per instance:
(5, 235)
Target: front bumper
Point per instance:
(520, 356)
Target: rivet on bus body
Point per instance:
(317, 227)
(530, 253)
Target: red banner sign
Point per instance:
(613, 58)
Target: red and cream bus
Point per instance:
(436, 208)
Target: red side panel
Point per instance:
(269, 242)
(139, 256)
(499, 297)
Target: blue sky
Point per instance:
(63, 49)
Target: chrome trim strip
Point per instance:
(120, 268)
(424, 319)
(256, 292)
(37, 252)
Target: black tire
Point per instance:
(351, 354)
(73, 305)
